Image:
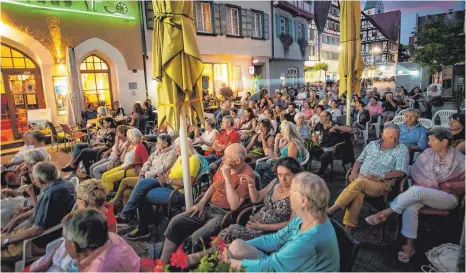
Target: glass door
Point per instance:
(6, 128)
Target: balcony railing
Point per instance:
(296, 8)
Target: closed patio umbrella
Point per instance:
(75, 98)
(351, 64)
(177, 65)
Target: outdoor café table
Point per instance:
(121, 119)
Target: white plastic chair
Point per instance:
(75, 181)
(426, 123)
(397, 120)
(444, 116)
(402, 112)
(377, 126)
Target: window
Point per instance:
(12, 58)
(203, 17)
(95, 76)
(282, 25)
(300, 30)
(233, 21)
(292, 76)
(257, 27)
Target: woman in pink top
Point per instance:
(373, 107)
(88, 241)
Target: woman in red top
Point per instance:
(134, 156)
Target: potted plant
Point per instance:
(287, 41)
(303, 44)
(209, 263)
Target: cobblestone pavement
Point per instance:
(374, 254)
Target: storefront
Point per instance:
(106, 39)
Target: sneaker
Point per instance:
(137, 234)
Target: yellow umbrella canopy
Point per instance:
(176, 62)
(351, 64)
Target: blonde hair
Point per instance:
(290, 134)
(191, 150)
(34, 156)
(92, 192)
(315, 189)
(134, 135)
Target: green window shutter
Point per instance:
(265, 26)
(216, 19)
(296, 27)
(243, 23)
(290, 27)
(223, 19)
(249, 23)
(278, 25)
(305, 31)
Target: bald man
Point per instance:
(204, 219)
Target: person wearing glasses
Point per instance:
(438, 175)
(204, 219)
(307, 244)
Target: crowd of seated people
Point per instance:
(269, 137)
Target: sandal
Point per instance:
(405, 257)
(376, 219)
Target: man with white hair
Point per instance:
(379, 161)
(57, 200)
(203, 220)
(413, 134)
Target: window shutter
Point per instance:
(265, 26)
(249, 23)
(216, 19)
(195, 16)
(223, 19)
(290, 26)
(243, 22)
(296, 28)
(305, 30)
(278, 25)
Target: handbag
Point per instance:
(443, 258)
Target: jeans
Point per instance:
(138, 193)
(265, 170)
(97, 169)
(209, 224)
(411, 201)
(78, 148)
(156, 196)
(87, 156)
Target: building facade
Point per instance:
(35, 38)
(234, 42)
(380, 38)
(324, 47)
(289, 42)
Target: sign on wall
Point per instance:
(37, 119)
(251, 70)
(60, 85)
(117, 9)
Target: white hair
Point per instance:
(102, 111)
(315, 190)
(297, 116)
(45, 172)
(31, 157)
(134, 135)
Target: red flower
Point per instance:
(218, 242)
(179, 258)
(159, 265)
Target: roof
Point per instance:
(389, 23)
(372, 4)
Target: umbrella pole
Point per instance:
(188, 195)
(348, 109)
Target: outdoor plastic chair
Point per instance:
(426, 123)
(397, 120)
(402, 112)
(376, 127)
(444, 116)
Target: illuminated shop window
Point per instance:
(95, 75)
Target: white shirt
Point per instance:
(434, 94)
(301, 96)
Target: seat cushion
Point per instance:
(432, 211)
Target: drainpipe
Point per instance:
(144, 46)
(272, 37)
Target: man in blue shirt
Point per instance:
(57, 199)
(413, 134)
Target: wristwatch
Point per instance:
(6, 242)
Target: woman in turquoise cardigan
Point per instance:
(307, 244)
